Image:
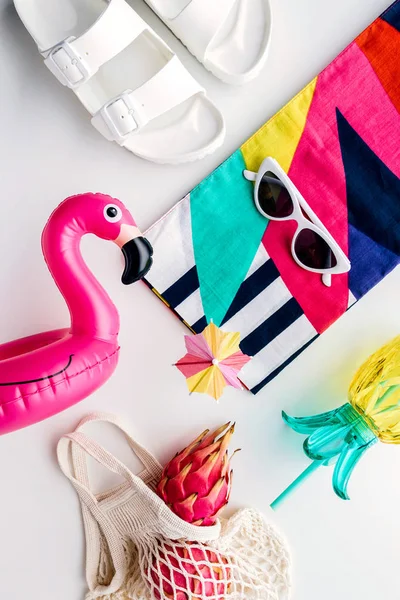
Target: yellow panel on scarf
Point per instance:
(280, 135)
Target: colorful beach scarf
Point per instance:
(216, 257)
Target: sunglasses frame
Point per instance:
(343, 264)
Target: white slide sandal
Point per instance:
(230, 37)
(136, 89)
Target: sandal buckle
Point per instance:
(67, 66)
(122, 116)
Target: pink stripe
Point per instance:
(197, 346)
(230, 376)
(236, 361)
(351, 85)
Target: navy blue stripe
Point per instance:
(182, 288)
(251, 287)
(200, 325)
(287, 362)
(272, 327)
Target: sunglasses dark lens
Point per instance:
(274, 198)
(313, 251)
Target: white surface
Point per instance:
(49, 150)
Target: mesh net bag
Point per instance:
(137, 549)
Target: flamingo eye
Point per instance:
(112, 213)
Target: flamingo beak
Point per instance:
(137, 252)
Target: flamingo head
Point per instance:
(108, 219)
(112, 221)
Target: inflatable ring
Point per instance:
(43, 374)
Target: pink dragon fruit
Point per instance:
(194, 575)
(196, 483)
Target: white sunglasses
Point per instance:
(277, 198)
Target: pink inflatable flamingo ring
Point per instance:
(46, 373)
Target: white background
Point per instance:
(49, 150)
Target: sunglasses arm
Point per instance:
(250, 175)
(327, 279)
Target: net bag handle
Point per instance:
(151, 464)
(91, 525)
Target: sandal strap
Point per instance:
(75, 60)
(199, 22)
(128, 113)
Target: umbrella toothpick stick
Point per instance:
(296, 483)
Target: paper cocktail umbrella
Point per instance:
(213, 361)
(341, 436)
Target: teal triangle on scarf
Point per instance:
(227, 230)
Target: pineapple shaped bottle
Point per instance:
(375, 392)
(341, 436)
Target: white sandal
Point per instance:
(136, 89)
(230, 37)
